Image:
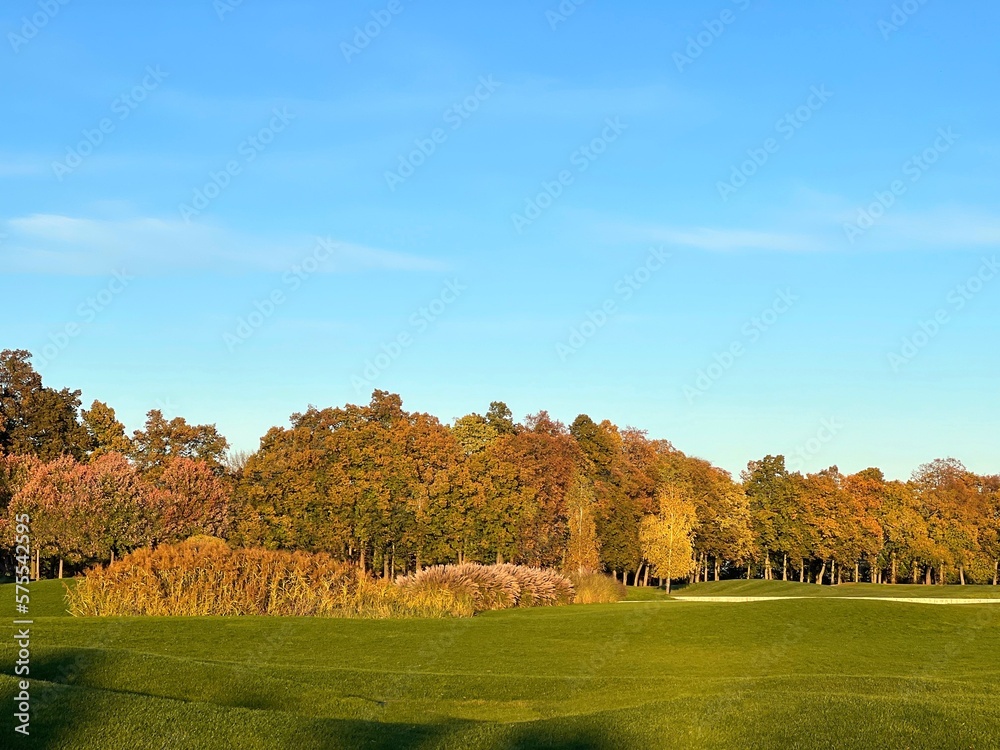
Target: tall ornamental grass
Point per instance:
(204, 576)
(597, 588)
(486, 587)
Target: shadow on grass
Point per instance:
(67, 712)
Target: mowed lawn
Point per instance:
(801, 673)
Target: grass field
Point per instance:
(800, 673)
(789, 588)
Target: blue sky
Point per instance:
(748, 227)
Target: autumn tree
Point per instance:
(473, 433)
(191, 499)
(499, 417)
(105, 433)
(721, 507)
(83, 513)
(582, 552)
(35, 419)
(989, 523)
(952, 503)
(617, 488)
(773, 499)
(162, 440)
(667, 538)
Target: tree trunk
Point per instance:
(833, 571)
(767, 566)
(996, 571)
(668, 584)
(961, 574)
(927, 576)
(802, 570)
(361, 561)
(819, 576)
(638, 576)
(60, 567)
(893, 568)
(385, 565)
(941, 576)
(784, 567)
(718, 567)
(645, 580)
(857, 573)
(392, 562)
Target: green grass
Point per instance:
(789, 588)
(46, 598)
(804, 673)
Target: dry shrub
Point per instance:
(596, 588)
(540, 587)
(486, 587)
(203, 576)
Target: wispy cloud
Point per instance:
(943, 228)
(715, 239)
(21, 166)
(534, 97)
(820, 228)
(57, 244)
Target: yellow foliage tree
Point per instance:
(666, 538)
(583, 548)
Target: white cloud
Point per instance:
(820, 228)
(719, 240)
(56, 244)
(945, 228)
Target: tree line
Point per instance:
(394, 491)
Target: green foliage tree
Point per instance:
(105, 433)
(473, 433)
(162, 440)
(772, 492)
(35, 419)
